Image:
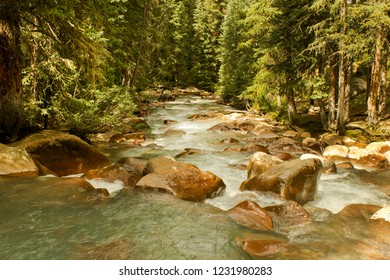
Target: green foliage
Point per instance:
(105, 109)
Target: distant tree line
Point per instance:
(83, 64)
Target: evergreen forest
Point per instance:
(84, 64)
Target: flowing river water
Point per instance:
(40, 221)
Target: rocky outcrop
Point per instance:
(251, 215)
(294, 180)
(183, 180)
(16, 162)
(62, 153)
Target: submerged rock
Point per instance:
(251, 215)
(261, 246)
(16, 162)
(62, 153)
(184, 180)
(294, 180)
(289, 213)
(364, 211)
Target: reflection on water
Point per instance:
(37, 221)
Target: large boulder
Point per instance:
(260, 162)
(294, 180)
(184, 180)
(62, 153)
(329, 167)
(367, 159)
(251, 215)
(16, 162)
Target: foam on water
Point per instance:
(112, 188)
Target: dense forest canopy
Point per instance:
(82, 64)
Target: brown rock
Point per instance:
(135, 138)
(290, 213)
(290, 133)
(251, 215)
(286, 144)
(252, 148)
(364, 211)
(173, 132)
(367, 159)
(225, 126)
(336, 152)
(294, 180)
(260, 162)
(184, 180)
(16, 162)
(261, 248)
(63, 153)
(188, 152)
(128, 175)
(229, 141)
(379, 147)
(329, 167)
(135, 163)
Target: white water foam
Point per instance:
(111, 187)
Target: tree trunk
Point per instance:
(347, 113)
(11, 98)
(291, 108)
(333, 89)
(140, 46)
(383, 86)
(375, 86)
(342, 71)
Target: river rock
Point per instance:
(137, 164)
(383, 213)
(329, 167)
(251, 215)
(260, 162)
(224, 126)
(184, 180)
(379, 147)
(62, 153)
(173, 132)
(261, 247)
(331, 139)
(289, 213)
(134, 138)
(252, 148)
(367, 159)
(290, 133)
(16, 162)
(294, 180)
(364, 211)
(188, 152)
(229, 141)
(336, 152)
(128, 175)
(286, 144)
(246, 125)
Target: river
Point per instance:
(39, 223)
